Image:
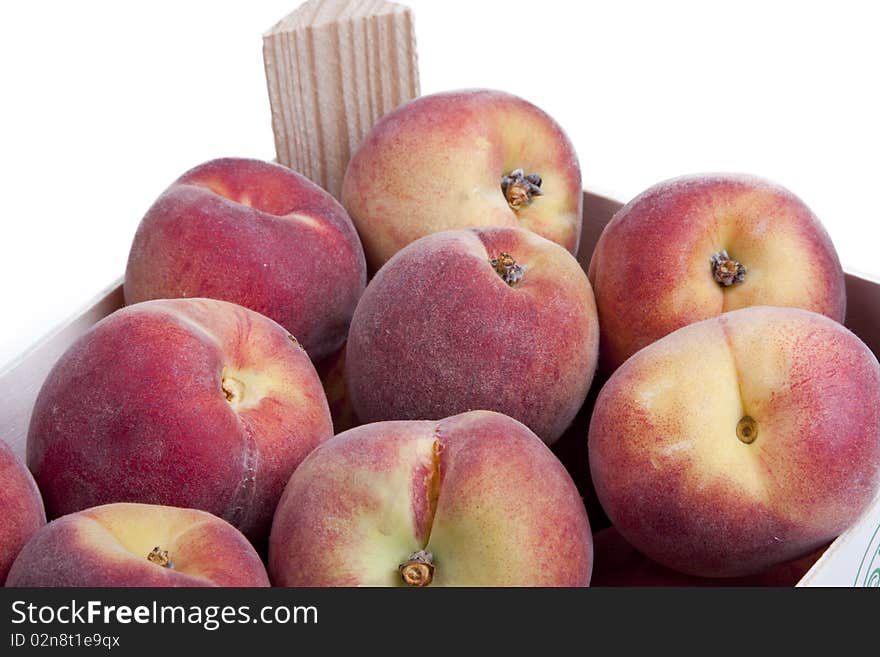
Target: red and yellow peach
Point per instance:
(472, 500)
(186, 402)
(460, 159)
(739, 442)
(138, 545)
(694, 247)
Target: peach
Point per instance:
(472, 500)
(694, 247)
(739, 442)
(496, 319)
(460, 159)
(256, 234)
(138, 545)
(193, 403)
(22, 506)
(617, 563)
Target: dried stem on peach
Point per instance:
(418, 569)
(232, 388)
(160, 557)
(727, 271)
(519, 188)
(506, 267)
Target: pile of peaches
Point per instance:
(310, 392)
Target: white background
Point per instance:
(103, 104)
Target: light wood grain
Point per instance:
(334, 68)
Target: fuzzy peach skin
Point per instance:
(439, 331)
(187, 402)
(694, 484)
(652, 271)
(109, 546)
(436, 164)
(257, 234)
(479, 491)
(22, 507)
(617, 563)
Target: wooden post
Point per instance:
(333, 68)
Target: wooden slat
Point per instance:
(334, 68)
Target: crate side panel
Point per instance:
(854, 558)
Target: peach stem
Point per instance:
(418, 569)
(727, 271)
(519, 188)
(233, 389)
(160, 557)
(506, 267)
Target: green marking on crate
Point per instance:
(872, 556)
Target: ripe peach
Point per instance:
(22, 506)
(138, 545)
(694, 247)
(471, 500)
(486, 318)
(187, 402)
(739, 442)
(257, 234)
(461, 159)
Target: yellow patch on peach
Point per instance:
(130, 532)
(714, 406)
(389, 528)
(115, 529)
(246, 388)
(441, 159)
(482, 144)
(243, 389)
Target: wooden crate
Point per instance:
(320, 113)
(853, 559)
